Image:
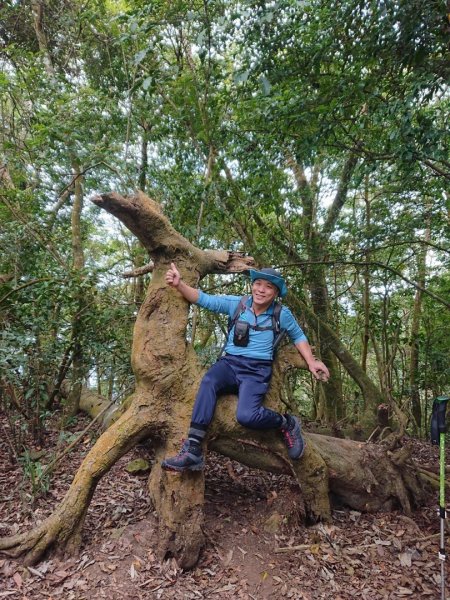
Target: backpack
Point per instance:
(278, 333)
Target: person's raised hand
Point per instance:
(173, 276)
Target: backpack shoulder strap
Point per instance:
(240, 308)
(278, 333)
(276, 317)
(238, 312)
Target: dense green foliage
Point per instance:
(312, 136)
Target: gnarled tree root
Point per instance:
(369, 477)
(62, 529)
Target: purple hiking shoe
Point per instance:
(293, 438)
(189, 458)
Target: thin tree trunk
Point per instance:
(366, 292)
(78, 369)
(137, 250)
(333, 409)
(37, 8)
(328, 338)
(414, 336)
(143, 167)
(111, 379)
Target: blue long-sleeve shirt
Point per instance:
(260, 343)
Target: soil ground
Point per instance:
(257, 546)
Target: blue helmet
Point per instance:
(270, 275)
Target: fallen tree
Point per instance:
(95, 405)
(167, 372)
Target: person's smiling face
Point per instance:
(263, 293)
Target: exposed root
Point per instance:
(401, 456)
(431, 478)
(54, 532)
(20, 544)
(62, 529)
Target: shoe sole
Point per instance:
(182, 469)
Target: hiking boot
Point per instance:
(189, 458)
(293, 438)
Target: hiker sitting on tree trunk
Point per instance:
(257, 323)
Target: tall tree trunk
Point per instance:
(143, 167)
(316, 243)
(333, 408)
(366, 292)
(414, 335)
(328, 338)
(78, 368)
(138, 253)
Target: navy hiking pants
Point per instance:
(249, 378)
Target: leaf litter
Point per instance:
(375, 557)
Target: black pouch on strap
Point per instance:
(241, 333)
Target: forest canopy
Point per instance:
(309, 136)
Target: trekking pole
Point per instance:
(438, 429)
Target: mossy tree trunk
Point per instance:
(167, 377)
(78, 263)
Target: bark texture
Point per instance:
(167, 376)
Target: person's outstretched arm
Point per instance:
(173, 278)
